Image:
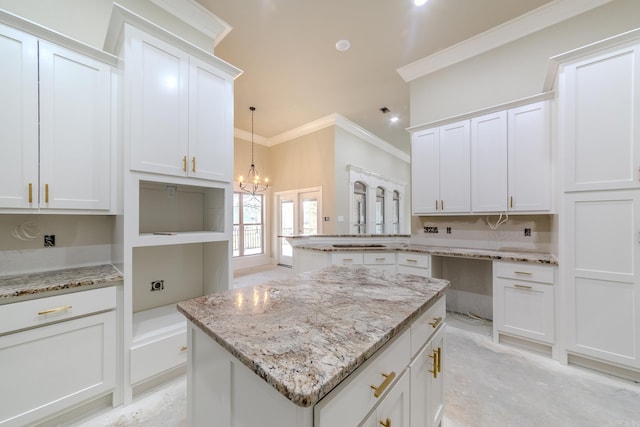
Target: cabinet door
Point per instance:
(18, 119)
(602, 125)
(601, 275)
(393, 410)
(529, 158)
(51, 368)
(455, 167)
(210, 123)
(524, 309)
(158, 76)
(425, 171)
(75, 149)
(436, 385)
(489, 163)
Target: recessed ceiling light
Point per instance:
(419, 2)
(393, 119)
(343, 45)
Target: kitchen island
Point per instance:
(330, 347)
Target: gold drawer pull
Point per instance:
(347, 259)
(434, 356)
(193, 164)
(382, 387)
(46, 193)
(54, 310)
(523, 273)
(436, 322)
(183, 348)
(184, 163)
(522, 286)
(439, 351)
(381, 259)
(386, 423)
(412, 260)
(30, 193)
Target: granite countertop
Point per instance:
(35, 285)
(306, 334)
(489, 254)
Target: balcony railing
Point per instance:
(249, 242)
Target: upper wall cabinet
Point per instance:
(511, 160)
(440, 169)
(602, 125)
(55, 115)
(181, 111)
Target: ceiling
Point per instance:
(294, 75)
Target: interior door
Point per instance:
(299, 213)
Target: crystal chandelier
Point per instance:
(253, 184)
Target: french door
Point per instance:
(299, 212)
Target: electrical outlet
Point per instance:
(448, 230)
(157, 285)
(527, 232)
(49, 240)
(431, 230)
(171, 191)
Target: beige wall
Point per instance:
(515, 70)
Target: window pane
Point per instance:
(252, 209)
(310, 216)
(236, 240)
(252, 239)
(236, 208)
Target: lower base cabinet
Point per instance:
(427, 383)
(54, 366)
(394, 409)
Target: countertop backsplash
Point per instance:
(80, 240)
(480, 232)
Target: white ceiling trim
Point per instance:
(536, 20)
(322, 123)
(198, 17)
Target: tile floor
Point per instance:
(486, 385)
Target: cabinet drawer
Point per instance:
(348, 403)
(380, 258)
(37, 312)
(414, 260)
(427, 324)
(524, 271)
(157, 356)
(347, 258)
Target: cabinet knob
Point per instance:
(377, 391)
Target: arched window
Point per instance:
(379, 210)
(360, 207)
(396, 212)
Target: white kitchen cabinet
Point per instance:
(61, 352)
(523, 301)
(176, 230)
(393, 410)
(347, 258)
(380, 260)
(414, 263)
(602, 278)
(601, 125)
(511, 160)
(441, 169)
(182, 111)
(56, 109)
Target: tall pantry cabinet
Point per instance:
(600, 224)
(175, 227)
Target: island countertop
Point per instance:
(306, 334)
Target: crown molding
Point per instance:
(531, 22)
(322, 123)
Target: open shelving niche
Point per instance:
(182, 237)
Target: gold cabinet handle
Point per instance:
(522, 286)
(436, 204)
(439, 352)
(434, 365)
(386, 423)
(380, 259)
(523, 273)
(436, 322)
(193, 164)
(377, 391)
(184, 163)
(412, 260)
(347, 259)
(46, 193)
(183, 348)
(54, 310)
(510, 201)
(30, 193)
(441, 205)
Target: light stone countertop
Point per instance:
(306, 334)
(488, 254)
(35, 285)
